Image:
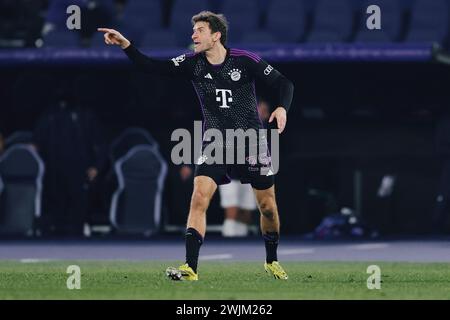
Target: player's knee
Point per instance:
(268, 214)
(268, 208)
(199, 201)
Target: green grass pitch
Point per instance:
(223, 280)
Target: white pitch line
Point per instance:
(296, 251)
(216, 256)
(32, 260)
(369, 246)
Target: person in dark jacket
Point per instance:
(69, 141)
(442, 206)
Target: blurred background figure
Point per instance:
(179, 189)
(68, 139)
(442, 206)
(20, 22)
(1, 143)
(238, 200)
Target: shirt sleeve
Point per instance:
(181, 66)
(283, 88)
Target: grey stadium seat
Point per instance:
(128, 139)
(19, 137)
(333, 22)
(286, 20)
(21, 171)
(136, 204)
(429, 21)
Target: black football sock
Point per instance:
(271, 242)
(193, 242)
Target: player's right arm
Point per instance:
(173, 67)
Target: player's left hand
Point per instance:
(280, 115)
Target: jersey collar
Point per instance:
(217, 67)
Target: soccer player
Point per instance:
(224, 81)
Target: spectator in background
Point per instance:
(20, 22)
(442, 206)
(2, 143)
(179, 186)
(238, 200)
(69, 141)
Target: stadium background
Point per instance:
(366, 103)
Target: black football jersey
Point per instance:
(226, 92)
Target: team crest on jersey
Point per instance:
(179, 59)
(235, 74)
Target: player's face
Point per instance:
(202, 37)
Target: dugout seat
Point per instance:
(159, 39)
(258, 37)
(180, 18)
(136, 203)
(145, 14)
(129, 138)
(429, 21)
(243, 16)
(333, 22)
(62, 38)
(286, 20)
(140, 17)
(21, 171)
(19, 137)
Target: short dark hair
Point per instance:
(217, 23)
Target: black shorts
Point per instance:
(223, 173)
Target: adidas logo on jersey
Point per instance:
(208, 76)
